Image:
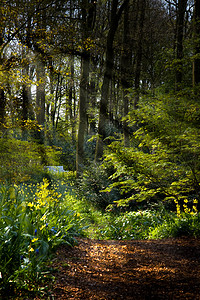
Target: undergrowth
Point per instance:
(36, 218)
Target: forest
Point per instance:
(99, 126)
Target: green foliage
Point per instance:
(34, 220)
(163, 159)
(185, 225)
(21, 161)
(130, 225)
(90, 186)
(154, 222)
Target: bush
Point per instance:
(22, 161)
(90, 187)
(131, 225)
(178, 226)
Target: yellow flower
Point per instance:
(37, 206)
(195, 209)
(34, 240)
(195, 201)
(178, 210)
(43, 218)
(42, 227)
(30, 204)
(31, 249)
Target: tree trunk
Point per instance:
(88, 13)
(71, 101)
(40, 92)
(179, 42)
(2, 109)
(196, 63)
(126, 62)
(103, 113)
(2, 93)
(141, 13)
(80, 155)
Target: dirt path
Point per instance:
(109, 270)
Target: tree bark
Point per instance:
(179, 42)
(80, 155)
(2, 92)
(40, 92)
(103, 112)
(141, 13)
(126, 61)
(88, 12)
(196, 63)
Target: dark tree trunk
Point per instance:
(126, 62)
(141, 13)
(88, 14)
(103, 113)
(2, 109)
(2, 93)
(179, 42)
(40, 92)
(196, 63)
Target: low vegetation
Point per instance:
(36, 218)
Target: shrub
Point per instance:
(90, 186)
(131, 225)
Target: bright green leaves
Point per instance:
(163, 160)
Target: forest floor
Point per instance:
(145, 269)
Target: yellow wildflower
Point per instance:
(31, 249)
(34, 240)
(194, 208)
(42, 227)
(43, 218)
(178, 210)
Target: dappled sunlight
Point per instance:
(127, 269)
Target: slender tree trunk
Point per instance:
(88, 13)
(179, 42)
(26, 93)
(80, 155)
(51, 89)
(92, 89)
(40, 92)
(59, 102)
(103, 113)
(2, 93)
(2, 109)
(126, 70)
(71, 103)
(196, 63)
(55, 102)
(141, 12)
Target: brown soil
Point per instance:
(109, 270)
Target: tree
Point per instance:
(196, 63)
(115, 16)
(179, 41)
(139, 49)
(126, 72)
(88, 14)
